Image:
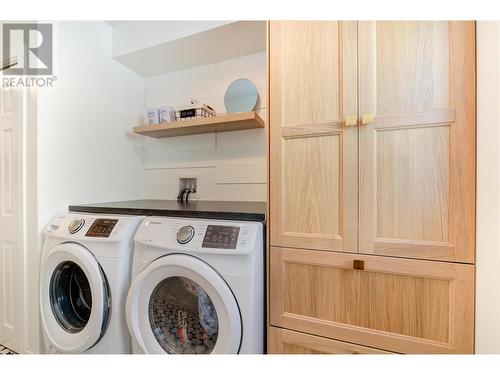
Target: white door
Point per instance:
(11, 209)
(74, 298)
(180, 305)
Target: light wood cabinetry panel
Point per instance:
(417, 147)
(372, 152)
(401, 305)
(283, 341)
(312, 206)
(309, 71)
(313, 183)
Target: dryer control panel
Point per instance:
(197, 235)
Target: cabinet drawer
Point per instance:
(283, 341)
(400, 305)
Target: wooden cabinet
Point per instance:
(401, 305)
(283, 341)
(313, 155)
(416, 125)
(417, 143)
(372, 185)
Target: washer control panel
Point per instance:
(221, 237)
(101, 228)
(185, 234)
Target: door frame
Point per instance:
(32, 241)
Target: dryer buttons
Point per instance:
(185, 234)
(75, 225)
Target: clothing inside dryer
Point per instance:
(183, 317)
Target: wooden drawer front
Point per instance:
(283, 341)
(401, 305)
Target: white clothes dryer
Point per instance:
(198, 287)
(85, 275)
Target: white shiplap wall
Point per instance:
(228, 166)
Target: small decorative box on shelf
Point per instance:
(214, 124)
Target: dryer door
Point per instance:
(180, 305)
(74, 298)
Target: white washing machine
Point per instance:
(198, 287)
(85, 275)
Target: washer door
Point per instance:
(74, 298)
(180, 305)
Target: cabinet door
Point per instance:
(283, 341)
(313, 155)
(394, 304)
(417, 139)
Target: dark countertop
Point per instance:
(224, 210)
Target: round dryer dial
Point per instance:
(75, 225)
(185, 234)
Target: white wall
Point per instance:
(488, 188)
(86, 152)
(229, 166)
(130, 36)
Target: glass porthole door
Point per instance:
(183, 317)
(181, 305)
(70, 296)
(74, 297)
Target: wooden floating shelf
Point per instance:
(214, 124)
